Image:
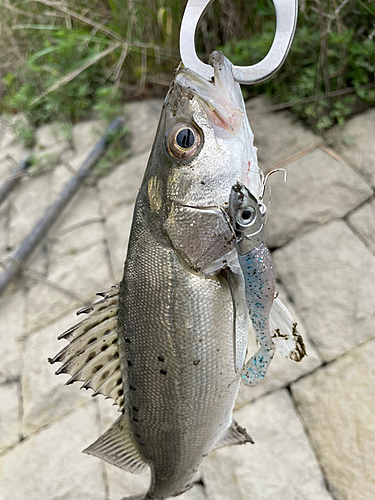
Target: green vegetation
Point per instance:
(64, 59)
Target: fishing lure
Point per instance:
(246, 216)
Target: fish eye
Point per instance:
(246, 216)
(183, 141)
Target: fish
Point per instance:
(168, 342)
(246, 216)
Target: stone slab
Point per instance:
(10, 425)
(330, 274)
(27, 206)
(118, 230)
(86, 134)
(45, 397)
(47, 303)
(318, 189)
(85, 207)
(50, 465)
(362, 221)
(142, 118)
(280, 465)
(276, 135)
(337, 404)
(121, 186)
(355, 143)
(12, 329)
(76, 239)
(282, 371)
(84, 273)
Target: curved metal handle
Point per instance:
(286, 19)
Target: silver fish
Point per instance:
(256, 264)
(169, 342)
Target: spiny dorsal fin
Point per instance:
(92, 353)
(284, 332)
(117, 447)
(235, 434)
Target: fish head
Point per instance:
(203, 146)
(246, 219)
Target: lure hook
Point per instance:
(266, 179)
(286, 19)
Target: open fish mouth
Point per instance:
(221, 99)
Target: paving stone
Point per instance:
(38, 262)
(86, 134)
(60, 176)
(121, 186)
(50, 465)
(118, 229)
(142, 118)
(276, 135)
(282, 371)
(84, 273)
(85, 207)
(10, 158)
(9, 416)
(28, 205)
(45, 397)
(47, 303)
(329, 273)
(12, 328)
(52, 138)
(337, 404)
(355, 143)
(318, 189)
(363, 222)
(280, 465)
(77, 239)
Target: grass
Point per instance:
(67, 59)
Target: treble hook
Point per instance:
(286, 19)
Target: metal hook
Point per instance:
(266, 179)
(286, 19)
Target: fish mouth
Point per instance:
(221, 99)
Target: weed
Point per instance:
(64, 60)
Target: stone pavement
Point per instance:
(313, 423)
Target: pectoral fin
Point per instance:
(235, 434)
(117, 447)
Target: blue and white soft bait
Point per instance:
(246, 219)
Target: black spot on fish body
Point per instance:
(163, 372)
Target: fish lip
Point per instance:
(222, 105)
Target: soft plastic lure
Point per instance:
(246, 216)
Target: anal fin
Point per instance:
(117, 447)
(235, 434)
